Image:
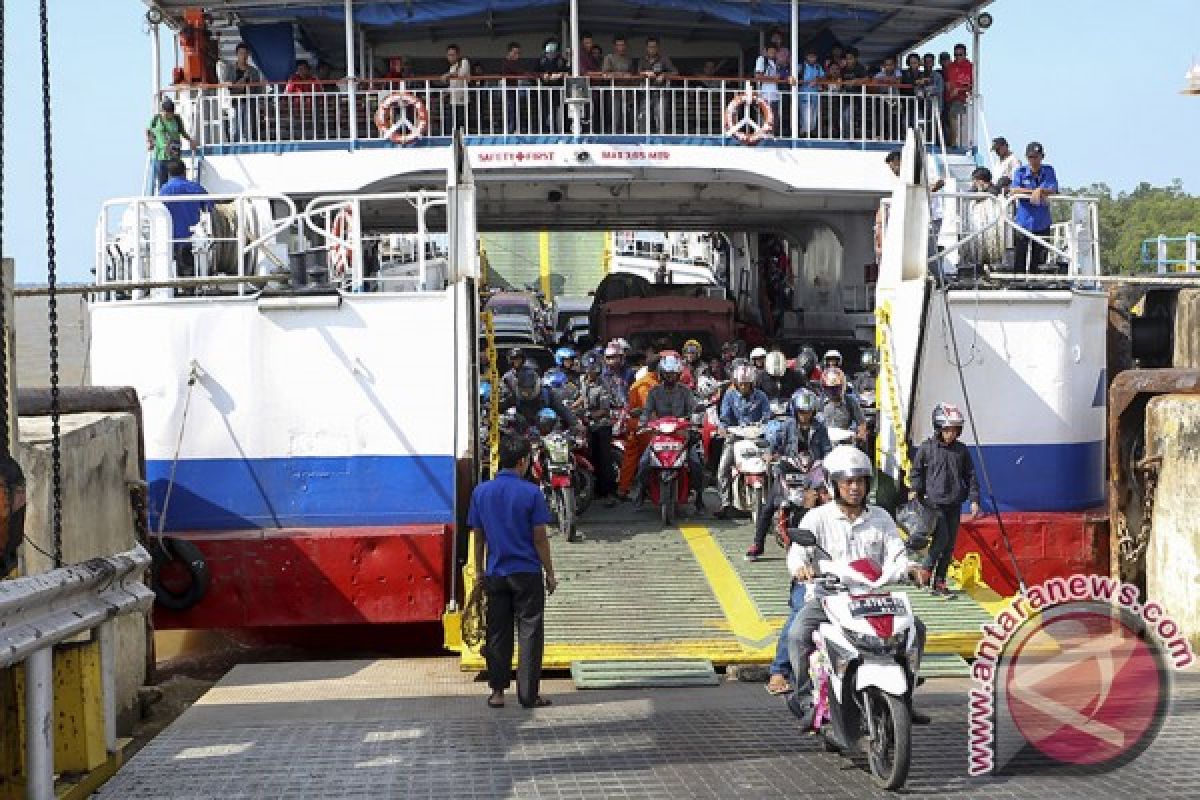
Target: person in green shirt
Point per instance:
(164, 137)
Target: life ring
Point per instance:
(341, 254)
(169, 549)
(402, 130)
(745, 128)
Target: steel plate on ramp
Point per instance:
(643, 674)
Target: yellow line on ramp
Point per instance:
(752, 631)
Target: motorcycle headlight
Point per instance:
(878, 645)
(558, 449)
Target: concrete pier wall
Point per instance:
(1173, 558)
(99, 461)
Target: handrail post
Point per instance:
(1190, 252)
(1162, 255)
(39, 724)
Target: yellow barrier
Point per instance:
(888, 390)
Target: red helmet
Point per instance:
(947, 415)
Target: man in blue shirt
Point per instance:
(742, 405)
(509, 515)
(184, 214)
(1034, 183)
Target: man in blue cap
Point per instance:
(1034, 183)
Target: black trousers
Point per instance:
(515, 600)
(1029, 254)
(941, 550)
(600, 444)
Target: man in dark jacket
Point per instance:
(942, 478)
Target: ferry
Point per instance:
(310, 400)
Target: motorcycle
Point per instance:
(865, 664)
(668, 484)
(799, 478)
(750, 475)
(566, 476)
(780, 413)
(711, 440)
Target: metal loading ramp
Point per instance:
(631, 589)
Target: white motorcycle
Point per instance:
(865, 665)
(750, 475)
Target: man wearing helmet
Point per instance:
(807, 367)
(943, 477)
(508, 381)
(616, 377)
(568, 361)
(841, 410)
(596, 406)
(846, 529)
(531, 397)
(775, 380)
(693, 363)
(745, 405)
(636, 443)
(670, 398)
(832, 358)
(802, 433)
(758, 358)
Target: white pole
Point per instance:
(975, 93)
(795, 45)
(156, 61)
(39, 725)
(351, 73)
(575, 38)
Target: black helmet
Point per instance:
(528, 383)
(806, 362)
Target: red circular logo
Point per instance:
(1084, 688)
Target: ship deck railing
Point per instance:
(1170, 254)
(254, 235)
(505, 110)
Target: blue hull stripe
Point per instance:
(1044, 477)
(239, 494)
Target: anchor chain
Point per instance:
(1133, 546)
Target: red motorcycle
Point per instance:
(668, 485)
(566, 476)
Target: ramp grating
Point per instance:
(643, 674)
(944, 665)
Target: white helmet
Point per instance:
(776, 364)
(624, 345)
(832, 354)
(641, 373)
(707, 386)
(758, 352)
(744, 374)
(845, 462)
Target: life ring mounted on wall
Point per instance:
(393, 119)
(740, 122)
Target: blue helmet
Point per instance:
(554, 379)
(804, 400)
(563, 353)
(485, 391)
(547, 415)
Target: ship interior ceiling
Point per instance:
(692, 29)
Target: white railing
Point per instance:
(524, 107)
(264, 237)
(40, 611)
(981, 230)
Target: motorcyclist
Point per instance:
(776, 381)
(865, 380)
(694, 367)
(557, 381)
(508, 381)
(547, 421)
(802, 433)
(670, 398)
(846, 529)
(942, 478)
(636, 443)
(597, 404)
(744, 405)
(615, 375)
(567, 359)
(532, 397)
(832, 358)
(841, 410)
(724, 370)
(807, 368)
(758, 358)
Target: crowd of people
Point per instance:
(822, 78)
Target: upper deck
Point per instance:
(710, 119)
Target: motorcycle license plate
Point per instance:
(876, 606)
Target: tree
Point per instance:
(1129, 218)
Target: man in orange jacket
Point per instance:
(635, 444)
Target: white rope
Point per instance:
(193, 375)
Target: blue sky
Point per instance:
(1067, 73)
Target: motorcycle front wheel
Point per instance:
(566, 513)
(666, 499)
(889, 753)
(585, 489)
(756, 503)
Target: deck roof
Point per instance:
(876, 27)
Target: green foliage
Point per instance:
(1127, 218)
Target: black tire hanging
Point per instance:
(168, 549)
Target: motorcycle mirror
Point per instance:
(803, 538)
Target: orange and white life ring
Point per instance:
(402, 129)
(341, 254)
(741, 124)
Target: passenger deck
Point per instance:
(631, 590)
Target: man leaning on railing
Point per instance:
(1034, 183)
(184, 215)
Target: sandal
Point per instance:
(496, 700)
(783, 687)
(540, 702)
